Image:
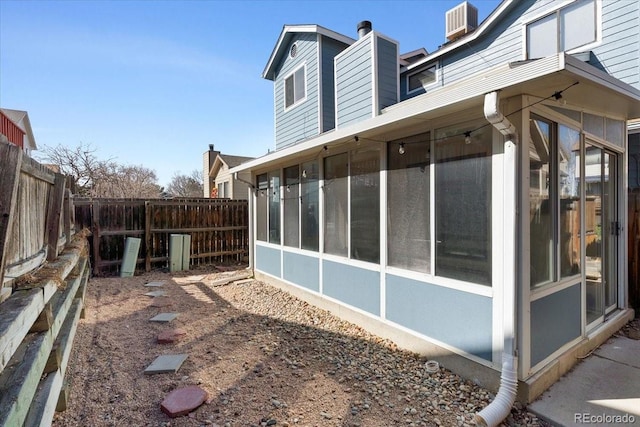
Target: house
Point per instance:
(218, 181)
(468, 203)
(16, 128)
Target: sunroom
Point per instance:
(477, 220)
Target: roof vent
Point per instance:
(364, 28)
(293, 52)
(461, 20)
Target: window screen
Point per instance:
(336, 171)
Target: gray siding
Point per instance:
(352, 285)
(301, 121)
(268, 260)
(555, 321)
(330, 48)
(457, 318)
(387, 60)
(354, 84)
(302, 270)
(619, 54)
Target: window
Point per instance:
(421, 79)
(566, 29)
(408, 200)
(309, 205)
(336, 214)
(274, 207)
(291, 206)
(262, 196)
(463, 203)
(365, 205)
(555, 202)
(294, 87)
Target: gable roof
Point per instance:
(21, 119)
(285, 37)
(495, 16)
(233, 161)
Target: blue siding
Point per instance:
(300, 121)
(352, 285)
(302, 270)
(330, 48)
(457, 318)
(555, 321)
(387, 62)
(268, 260)
(354, 84)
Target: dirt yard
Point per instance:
(263, 356)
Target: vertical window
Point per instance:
(336, 204)
(565, 29)
(262, 203)
(309, 202)
(291, 206)
(408, 200)
(365, 205)
(463, 204)
(294, 87)
(540, 203)
(274, 207)
(570, 200)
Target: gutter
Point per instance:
(500, 408)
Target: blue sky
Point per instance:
(153, 83)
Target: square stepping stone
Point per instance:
(166, 363)
(154, 284)
(156, 294)
(181, 401)
(164, 317)
(161, 302)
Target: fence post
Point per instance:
(95, 231)
(10, 159)
(66, 211)
(147, 236)
(56, 197)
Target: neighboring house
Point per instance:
(466, 203)
(219, 183)
(15, 127)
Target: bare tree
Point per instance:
(186, 185)
(102, 178)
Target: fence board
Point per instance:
(11, 159)
(218, 230)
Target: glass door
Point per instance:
(601, 232)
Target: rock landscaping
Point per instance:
(261, 356)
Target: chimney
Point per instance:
(364, 28)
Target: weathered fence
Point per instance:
(219, 230)
(43, 276)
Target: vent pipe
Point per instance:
(210, 147)
(364, 28)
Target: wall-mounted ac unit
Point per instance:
(460, 20)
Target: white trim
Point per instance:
(298, 102)
(352, 262)
(298, 251)
(422, 87)
(383, 248)
(554, 287)
(292, 29)
(319, 86)
(321, 218)
(444, 282)
(524, 303)
(500, 255)
(553, 356)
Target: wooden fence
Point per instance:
(633, 231)
(219, 230)
(43, 277)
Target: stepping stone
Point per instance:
(166, 363)
(164, 317)
(161, 302)
(155, 284)
(170, 336)
(181, 401)
(156, 294)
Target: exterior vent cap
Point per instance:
(294, 50)
(461, 20)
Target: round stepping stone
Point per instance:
(170, 336)
(181, 401)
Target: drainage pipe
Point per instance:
(500, 408)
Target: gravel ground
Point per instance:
(264, 357)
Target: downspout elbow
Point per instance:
(500, 408)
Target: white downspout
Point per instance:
(500, 408)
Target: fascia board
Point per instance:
(478, 32)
